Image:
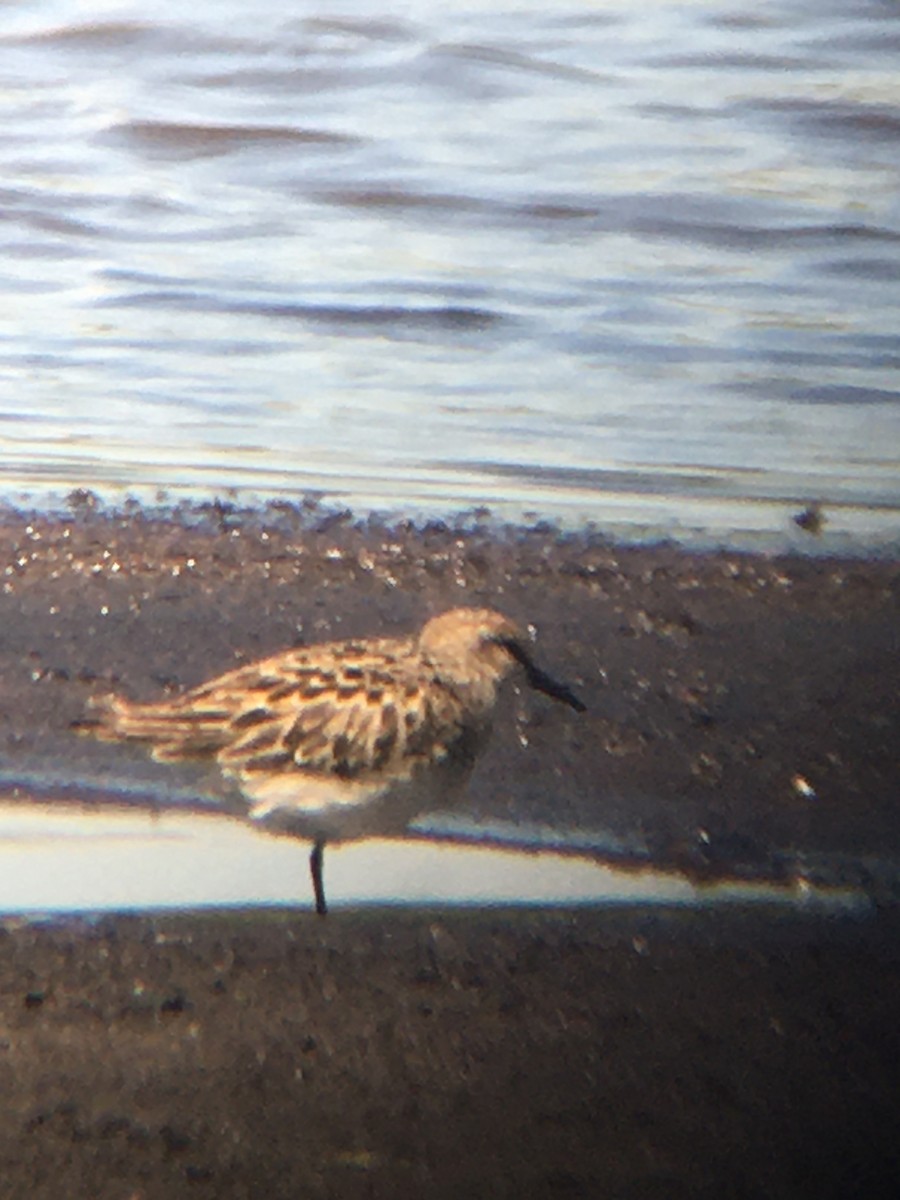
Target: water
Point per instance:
(125, 839)
(54, 859)
(635, 265)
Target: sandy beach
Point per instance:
(743, 723)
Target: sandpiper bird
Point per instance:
(347, 739)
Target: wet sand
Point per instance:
(394, 1053)
(743, 720)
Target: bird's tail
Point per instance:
(174, 731)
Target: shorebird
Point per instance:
(347, 739)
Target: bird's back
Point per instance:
(351, 710)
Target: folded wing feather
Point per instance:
(351, 713)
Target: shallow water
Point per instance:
(630, 265)
(58, 859)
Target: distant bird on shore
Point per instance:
(347, 739)
(811, 519)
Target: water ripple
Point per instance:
(456, 257)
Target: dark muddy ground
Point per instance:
(743, 719)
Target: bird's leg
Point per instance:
(315, 867)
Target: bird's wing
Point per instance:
(343, 710)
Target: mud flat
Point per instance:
(743, 723)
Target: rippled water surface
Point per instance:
(601, 261)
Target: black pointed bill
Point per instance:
(540, 680)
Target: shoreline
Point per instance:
(740, 708)
(798, 525)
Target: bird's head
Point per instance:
(473, 649)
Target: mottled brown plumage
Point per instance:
(344, 739)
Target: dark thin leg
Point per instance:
(315, 867)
